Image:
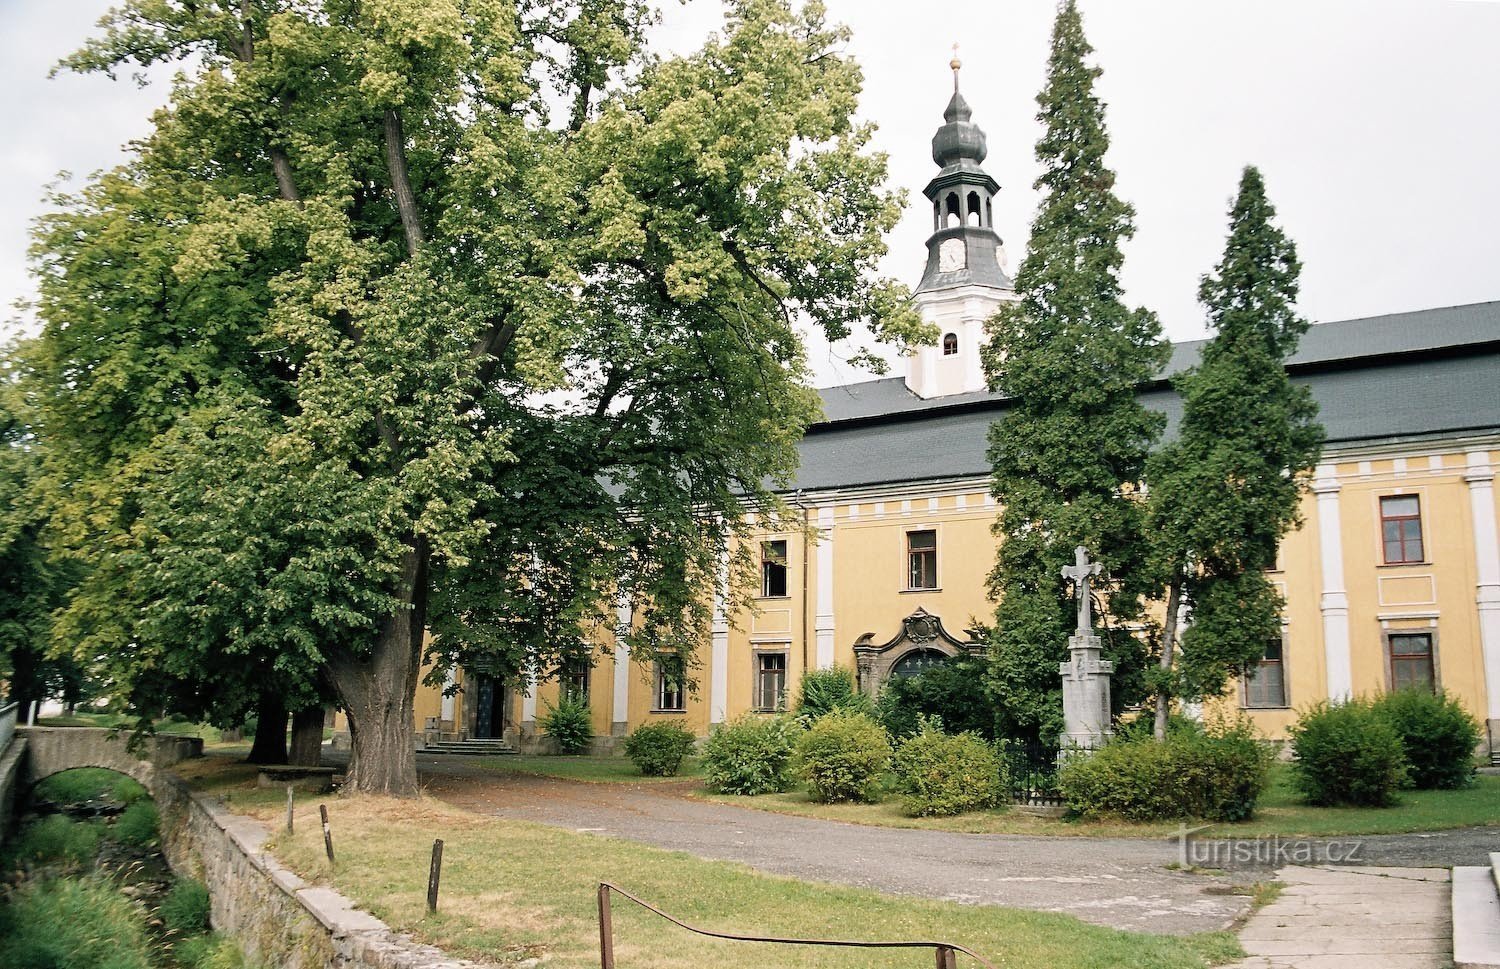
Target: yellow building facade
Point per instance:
(1392, 579)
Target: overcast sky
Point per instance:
(1376, 123)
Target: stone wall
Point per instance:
(277, 918)
(12, 756)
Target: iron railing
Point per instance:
(8, 714)
(944, 952)
(1031, 772)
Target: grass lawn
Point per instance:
(513, 890)
(1280, 812)
(603, 769)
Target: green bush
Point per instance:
(842, 757)
(57, 839)
(957, 692)
(823, 691)
(750, 755)
(1347, 753)
(939, 774)
(72, 923)
(570, 723)
(136, 825)
(658, 748)
(77, 786)
(1437, 734)
(1215, 772)
(185, 909)
(127, 791)
(212, 951)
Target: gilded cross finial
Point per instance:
(955, 64)
(1080, 572)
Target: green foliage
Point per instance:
(658, 748)
(297, 354)
(79, 785)
(956, 692)
(1230, 486)
(72, 923)
(751, 755)
(1071, 449)
(127, 790)
(136, 825)
(56, 839)
(1347, 753)
(1216, 774)
(823, 691)
(210, 951)
(842, 757)
(1437, 735)
(185, 909)
(570, 723)
(938, 774)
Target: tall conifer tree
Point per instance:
(1069, 454)
(1226, 490)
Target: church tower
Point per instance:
(965, 279)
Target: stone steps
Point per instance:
(1476, 916)
(470, 748)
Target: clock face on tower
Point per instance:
(952, 256)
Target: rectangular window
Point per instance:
(921, 559)
(1411, 661)
(669, 684)
(1265, 681)
(773, 569)
(575, 679)
(1401, 529)
(770, 681)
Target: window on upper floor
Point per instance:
(1265, 680)
(1410, 656)
(950, 344)
(773, 569)
(921, 559)
(770, 682)
(1401, 529)
(671, 675)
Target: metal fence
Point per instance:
(8, 714)
(944, 953)
(1031, 771)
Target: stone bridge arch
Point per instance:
(52, 750)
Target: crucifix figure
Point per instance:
(1080, 572)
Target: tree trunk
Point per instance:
(307, 738)
(269, 746)
(378, 691)
(1168, 650)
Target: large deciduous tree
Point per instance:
(1226, 490)
(371, 338)
(1071, 450)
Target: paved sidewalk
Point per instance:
(1353, 918)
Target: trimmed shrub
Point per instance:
(658, 748)
(72, 923)
(1437, 735)
(939, 774)
(842, 757)
(1347, 753)
(823, 691)
(750, 755)
(956, 691)
(57, 839)
(1216, 773)
(136, 825)
(570, 723)
(185, 909)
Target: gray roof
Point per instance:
(1407, 375)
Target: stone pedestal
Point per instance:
(1085, 683)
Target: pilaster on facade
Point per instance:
(620, 701)
(1480, 475)
(528, 705)
(823, 627)
(1334, 600)
(718, 674)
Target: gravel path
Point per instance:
(1123, 883)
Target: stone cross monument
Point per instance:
(1085, 677)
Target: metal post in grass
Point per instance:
(327, 832)
(289, 809)
(606, 931)
(434, 875)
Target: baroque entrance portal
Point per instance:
(921, 643)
